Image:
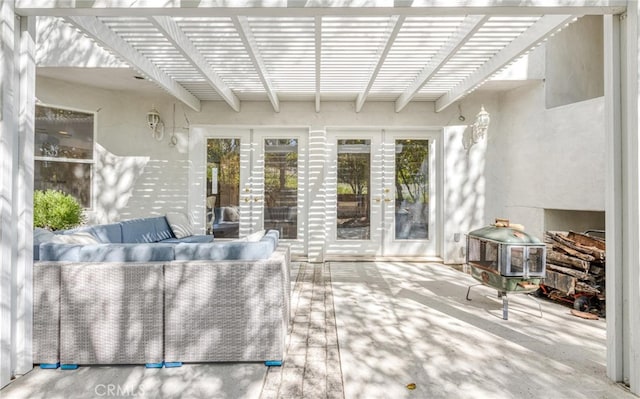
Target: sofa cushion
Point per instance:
(64, 252)
(180, 225)
(40, 236)
(230, 250)
(141, 230)
(226, 250)
(127, 252)
(201, 238)
(163, 230)
(106, 233)
(272, 237)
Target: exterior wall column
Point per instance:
(17, 91)
(316, 216)
(622, 89)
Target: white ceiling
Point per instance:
(387, 55)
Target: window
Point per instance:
(64, 152)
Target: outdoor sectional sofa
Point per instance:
(148, 298)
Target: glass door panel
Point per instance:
(410, 208)
(353, 220)
(412, 189)
(281, 186)
(223, 187)
(354, 184)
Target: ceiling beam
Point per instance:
(536, 34)
(312, 8)
(318, 32)
(104, 36)
(244, 30)
(170, 29)
(467, 29)
(395, 24)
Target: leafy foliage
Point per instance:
(55, 210)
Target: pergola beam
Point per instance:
(536, 34)
(101, 33)
(312, 8)
(467, 29)
(244, 30)
(170, 29)
(395, 24)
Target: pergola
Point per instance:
(435, 51)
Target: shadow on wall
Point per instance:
(162, 186)
(137, 186)
(115, 180)
(464, 189)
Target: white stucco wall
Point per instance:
(545, 158)
(137, 176)
(532, 158)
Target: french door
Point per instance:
(254, 179)
(381, 194)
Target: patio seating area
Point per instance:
(368, 330)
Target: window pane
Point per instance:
(354, 161)
(223, 187)
(63, 134)
(412, 189)
(281, 186)
(69, 177)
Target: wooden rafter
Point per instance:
(101, 33)
(170, 29)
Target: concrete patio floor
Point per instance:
(368, 330)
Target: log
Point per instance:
(561, 282)
(588, 245)
(566, 246)
(587, 241)
(564, 260)
(586, 288)
(597, 270)
(571, 272)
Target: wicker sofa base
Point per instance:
(161, 312)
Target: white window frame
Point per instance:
(91, 161)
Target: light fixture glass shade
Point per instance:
(483, 119)
(153, 119)
(481, 125)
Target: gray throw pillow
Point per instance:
(180, 225)
(231, 214)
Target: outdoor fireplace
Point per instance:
(506, 258)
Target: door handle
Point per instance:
(256, 199)
(387, 200)
(247, 199)
(377, 200)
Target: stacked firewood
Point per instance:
(575, 263)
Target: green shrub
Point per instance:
(55, 210)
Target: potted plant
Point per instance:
(55, 210)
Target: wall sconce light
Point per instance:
(155, 124)
(481, 125)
